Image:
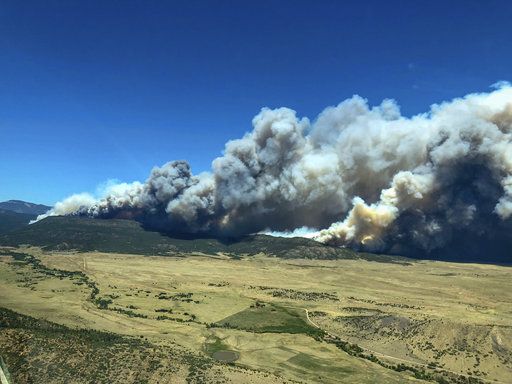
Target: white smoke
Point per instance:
(70, 205)
(370, 176)
(306, 232)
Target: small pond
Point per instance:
(225, 356)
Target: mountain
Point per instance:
(127, 236)
(10, 221)
(16, 214)
(19, 206)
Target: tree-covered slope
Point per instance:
(126, 236)
(10, 221)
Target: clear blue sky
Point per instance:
(96, 90)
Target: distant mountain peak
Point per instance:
(20, 206)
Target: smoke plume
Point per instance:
(358, 176)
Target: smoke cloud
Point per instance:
(358, 176)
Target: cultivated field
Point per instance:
(216, 318)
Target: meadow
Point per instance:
(214, 318)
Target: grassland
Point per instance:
(165, 319)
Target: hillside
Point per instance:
(10, 221)
(20, 206)
(125, 236)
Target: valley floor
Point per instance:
(219, 319)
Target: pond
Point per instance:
(225, 356)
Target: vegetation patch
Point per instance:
(272, 318)
(295, 294)
(185, 297)
(214, 344)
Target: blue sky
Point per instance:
(99, 90)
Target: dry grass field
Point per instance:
(213, 318)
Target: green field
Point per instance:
(273, 318)
(73, 317)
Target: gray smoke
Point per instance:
(358, 176)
